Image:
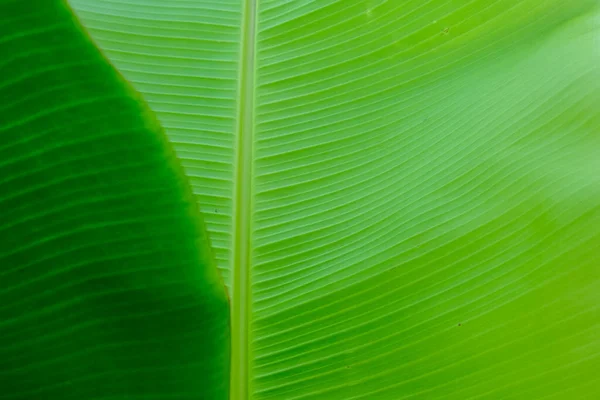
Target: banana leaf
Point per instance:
(403, 197)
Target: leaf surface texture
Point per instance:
(425, 184)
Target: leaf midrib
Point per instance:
(242, 232)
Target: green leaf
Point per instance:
(108, 289)
(404, 196)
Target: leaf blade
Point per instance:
(424, 212)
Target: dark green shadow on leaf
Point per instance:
(107, 286)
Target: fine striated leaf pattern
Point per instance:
(108, 289)
(424, 202)
(183, 55)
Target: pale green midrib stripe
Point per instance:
(242, 231)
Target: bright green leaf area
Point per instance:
(108, 289)
(403, 196)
